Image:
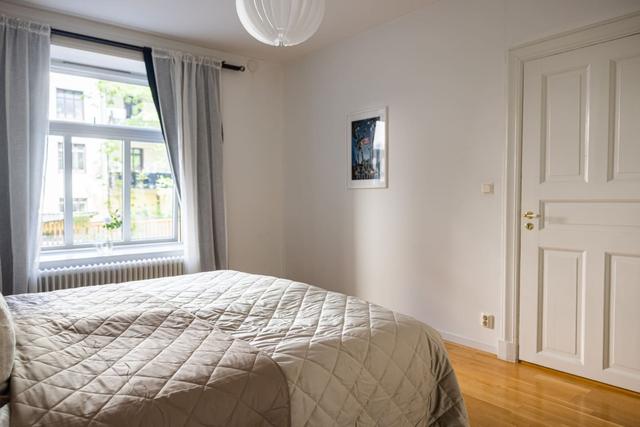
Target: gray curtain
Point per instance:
(189, 99)
(24, 122)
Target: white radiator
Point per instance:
(52, 279)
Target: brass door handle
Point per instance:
(530, 215)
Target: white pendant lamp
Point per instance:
(281, 22)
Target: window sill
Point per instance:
(78, 257)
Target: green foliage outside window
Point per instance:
(133, 98)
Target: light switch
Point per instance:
(487, 188)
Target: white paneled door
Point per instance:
(580, 253)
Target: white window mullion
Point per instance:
(126, 189)
(68, 191)
(87, 130)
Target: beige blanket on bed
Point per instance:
(346, 362)
(97, 358)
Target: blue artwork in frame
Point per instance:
(367, 149)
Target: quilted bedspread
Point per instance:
(109, 356)
(225, 348)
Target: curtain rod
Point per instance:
(69, 34)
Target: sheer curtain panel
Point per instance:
(24, 105)
(188, 92)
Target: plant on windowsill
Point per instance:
(111, 224)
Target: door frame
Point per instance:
(612, 29)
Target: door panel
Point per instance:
(564, 133)
(562, 286)
(625, 155)
(622, 355)
(591, 215)
(580, 250)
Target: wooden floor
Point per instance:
(500, 393)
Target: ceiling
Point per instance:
(214, 23)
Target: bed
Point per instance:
(225, 348)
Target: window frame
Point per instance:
(67, 130)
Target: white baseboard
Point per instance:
(447, 336)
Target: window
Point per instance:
(137, 159)
(69, 104)
(79, 205)
(60, 156)
(77, 157)
(106, 156)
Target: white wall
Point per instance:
(252, 120)
(253, 153)
(428, 246)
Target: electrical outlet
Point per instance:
(486, 320)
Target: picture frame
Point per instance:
(367, 146)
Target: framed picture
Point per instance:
(367, 149)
